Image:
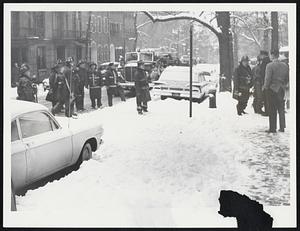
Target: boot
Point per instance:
(238, 111)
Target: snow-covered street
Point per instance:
(165, 159)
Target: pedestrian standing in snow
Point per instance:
(276, 79)
(82, 73)
(55, 71)
(111, 80)
(242, 84)
(26, 88)
(257, 82)
(264, 62)
(121, 79)
(94, 84)
(141, 88)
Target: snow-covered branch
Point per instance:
(248, 28)
(247, 37)
(182, 16)
(266, 28)
(250, 39)
(143, 24)
(143, 33)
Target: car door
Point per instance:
(18, 157)
(49, 146)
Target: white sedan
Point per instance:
(174, 83)
(41, 146)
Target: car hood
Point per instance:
(77, 125)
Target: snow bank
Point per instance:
(162, 159)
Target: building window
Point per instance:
(99, 53)
(106, 53)
(74, 22)
(15, 23)
(93, 24)
(41, 58)
(24, 54)
(39, 24)
(105, 25)
(78, 53)
(29, 20)
(99, 24)
(79, 21)
(60, 52)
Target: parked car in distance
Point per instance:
(174, 83)
(42, 144)
(185, 60)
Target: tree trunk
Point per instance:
(225, 50)
(274, 24)
(135, 31)
(265, 43)
(235, 45)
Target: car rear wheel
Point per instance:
(86, 154)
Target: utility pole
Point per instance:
(88, 36)
(124, 35)
(191, 67)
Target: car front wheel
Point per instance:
(86, 154)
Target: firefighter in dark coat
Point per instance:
(94, 83)
(26, 88)
(242, 84)
(67, 89)
(141, 88)
(258, 83)
(82, 73)
(55, 71)
(111, 81)
(265, 60)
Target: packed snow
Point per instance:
(166, 160)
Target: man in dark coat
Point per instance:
(276, 79)
(111, 81)
(82, 73)
(141, 88)
(264, 62)
(67, 84)
(26, 90)
(55, 71)
(242, 84)
(94, 83)
(258, 83)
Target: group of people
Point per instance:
(269, 79)
(67, 82)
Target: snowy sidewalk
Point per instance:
(165, 159)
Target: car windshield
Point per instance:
(179, 75)
(131, 56)
(146, 56)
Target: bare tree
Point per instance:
(274, 23)
(222, 31)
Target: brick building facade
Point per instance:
(40, 38)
